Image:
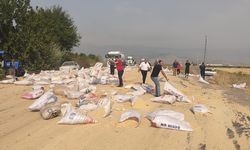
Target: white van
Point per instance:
(112, 54)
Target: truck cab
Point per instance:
(112, 54)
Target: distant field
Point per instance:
(236, 70)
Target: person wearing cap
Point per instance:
(144, 67)
(154, 76)
(120, 69)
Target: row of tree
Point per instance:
(39, 38)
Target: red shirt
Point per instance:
(118, 63)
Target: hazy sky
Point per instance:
(176, 27)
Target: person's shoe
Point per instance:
(120, 86)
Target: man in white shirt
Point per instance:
(144, 67)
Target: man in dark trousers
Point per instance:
(154, 76)
(120, 69)
(112, 67)
(202, 70)
(187, 68)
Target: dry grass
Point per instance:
(236, 70)
(225, 78)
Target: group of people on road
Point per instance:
(145, 67)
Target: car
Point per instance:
(69, 65)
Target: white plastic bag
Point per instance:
(199, 108)
(136, 93)
(50, 110)
(169, 89)
(165, 112)
(148, 88)
(46, 98)
(240, 86)
(171, 123)
(202, 80)
(23, 82)
(37, 87)
(73, 94)
(106, 104)
(33, 94)
(88, 107)
(103, 80)
(8, 81)
(129, 114)
(165, 99)
(71, 116)
(123, 98)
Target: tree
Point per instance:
(37, 37)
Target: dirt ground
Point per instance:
(236, 70)
(227, 127)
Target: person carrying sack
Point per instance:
(154, 76)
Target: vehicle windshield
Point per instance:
(69, 63)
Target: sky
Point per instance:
(159, 28)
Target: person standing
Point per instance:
(144, 67)
(112, 67)
(154, 76)
(120, 69)
(187, 68)
(202, 70)
(178, 68)
(175, 63)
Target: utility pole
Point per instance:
(205, 51)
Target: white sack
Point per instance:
(124, 98)
(46, 98)
(148, 88)
(168, 88)
(8, 81)
(136, 93)
(71, 116)
(171, 123)
(106, 104)
(165, 112)
(131, 114)
(165, 99)
(88, 107)
(240, 86)
(23, 82)
(33, 94)
(50, 110)
(202, 80)
(37, 87)
(199, 108)
(73, 94)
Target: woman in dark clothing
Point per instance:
(187, 68)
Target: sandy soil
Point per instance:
(225, 128)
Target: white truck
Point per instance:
(112, 54)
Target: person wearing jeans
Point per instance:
(154, 76)
(120, 69)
